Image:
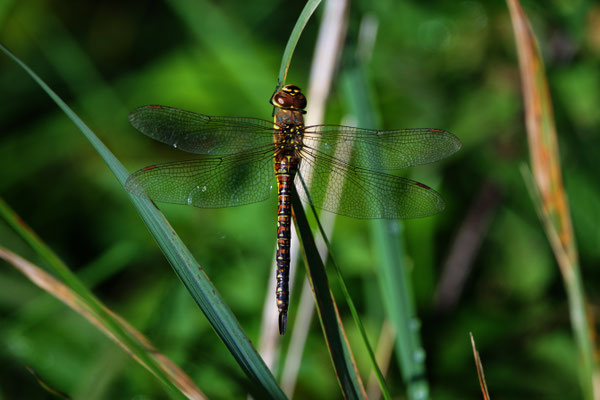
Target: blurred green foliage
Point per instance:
(444, 64)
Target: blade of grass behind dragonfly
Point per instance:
(393, 273)
(337, 342)
(350, 302)
(184, 264)
(329, 44)
(309, 9)
(551, 199)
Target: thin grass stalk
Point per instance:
(302, 322)
(383, 355)
(480, 374)
(550, 194)
(307, 11)
(397, 295)
(354, 312)
(331, 323)
(326, 57)
(330, 39)
(394, 277)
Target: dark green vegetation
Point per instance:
(447, 65)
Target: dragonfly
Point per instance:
(242, 159)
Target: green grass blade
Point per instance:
(309, 9)
(184, 264)
(337, 342)
(397, 294)
(393, 272)
(353, 311)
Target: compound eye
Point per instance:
(300, 101)
(282, 99)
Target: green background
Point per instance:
(441, 64)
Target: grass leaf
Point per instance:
(337, 342)
(393, 273)
(309, 9)
(480, 374)
(184, 264)
(549, 191)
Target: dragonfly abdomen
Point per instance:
(286, 166)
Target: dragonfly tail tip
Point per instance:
(282, 322)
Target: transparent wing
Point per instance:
(199, 133)
(381, 150)
(361, 193)
(208, 182)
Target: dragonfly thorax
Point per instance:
(289, 137)
(289, 126)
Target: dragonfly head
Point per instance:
(290, 97)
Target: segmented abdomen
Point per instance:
(286, 166)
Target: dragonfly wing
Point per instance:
(207, 182)
(199, 133)
(361, 193)
(381, 150)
